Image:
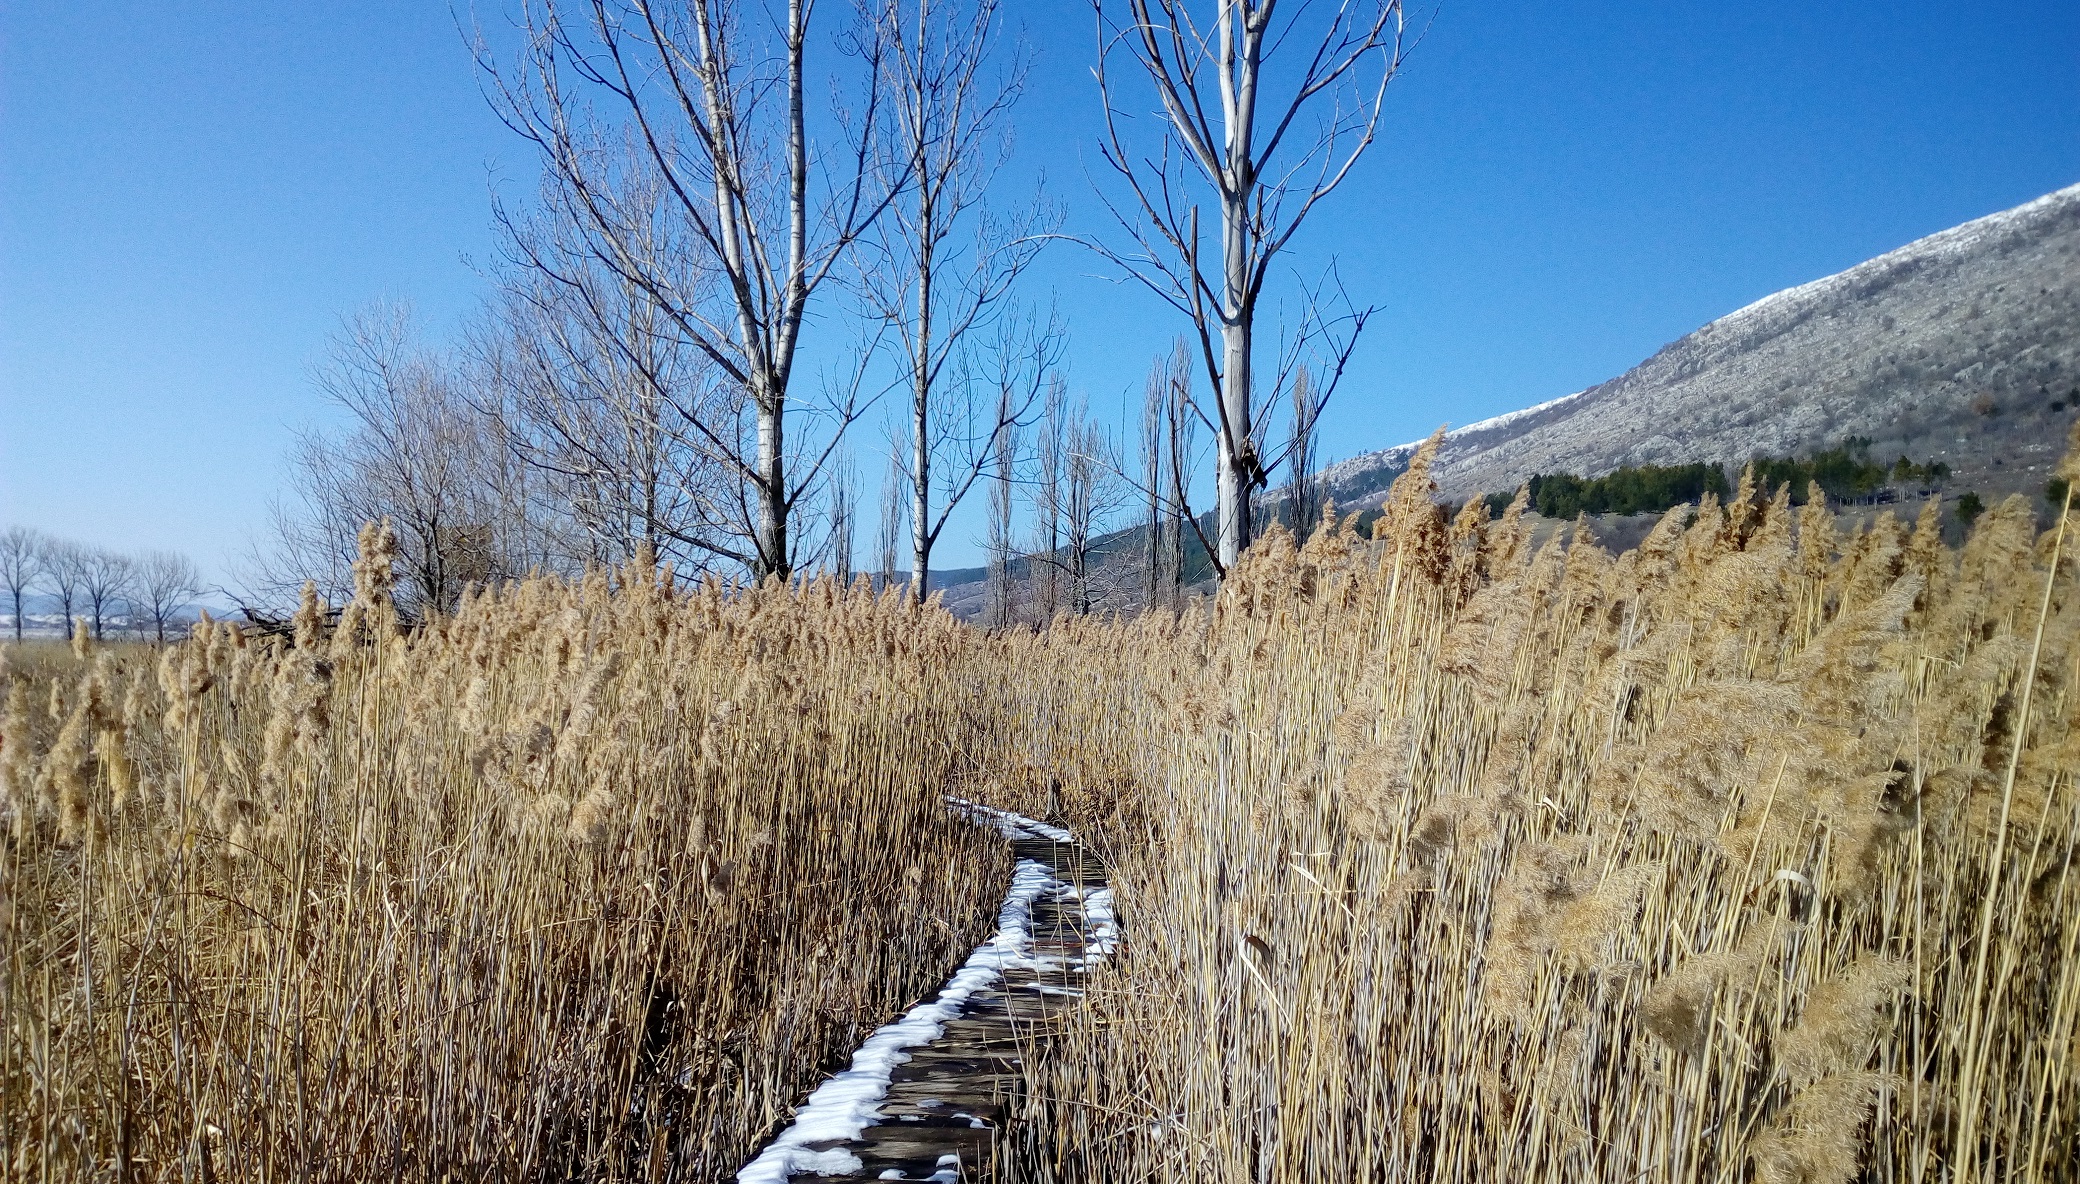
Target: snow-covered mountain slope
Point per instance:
(1963, 346)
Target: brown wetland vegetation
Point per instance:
(1744, 855)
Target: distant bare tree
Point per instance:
(1233, 87)
(1155, 402)
(1181, 457)
(716, 109)
(105, 583)
(1085, 494)
(1167, 456)
(1092, 493)
(607, 439)
(943, 262)
(598, 391)
(417, 453)
(1050, 465)
(21, 566)
(844, 499)
(1303, 491)
(888, 534)
(167, 584)
(1002, 483)
(65, 566)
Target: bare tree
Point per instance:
(1303, 491)
(65, 566)
(1091, 489)
(844, 499)
(1233, 90)
(21, 565)
(889, 532)
(598, 391)
(944, 262)
(1073, 505)
(1050, 466)
(590, 394)
(417, 453)
(1167, 456)
(1180, 426)
(1155, 401)
(1002, 482)
(716, 109)
(105, 582)
(166, 585)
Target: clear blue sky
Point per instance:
(192, 194)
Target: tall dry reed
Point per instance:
(1449, 854)
(583, 881)
(1745, 855)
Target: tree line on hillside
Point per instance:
(640, 378)
(1629, 490)
(96, 588)
(1845, 473)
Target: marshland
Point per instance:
(831, 652)
(1744, 854)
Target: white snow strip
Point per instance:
(1503, 420)
(1371, 461)
(949, 1172)
(1013, 826)
(849, 1102)
(1942, 246)
(1097, 909)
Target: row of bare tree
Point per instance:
(713, 283)
(107, 589)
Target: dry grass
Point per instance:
(1746, 855)
(586, 881)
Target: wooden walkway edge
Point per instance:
(945, 1103)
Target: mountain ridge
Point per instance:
(1898, 349)
(1962, 346)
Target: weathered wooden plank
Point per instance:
(945, 1105)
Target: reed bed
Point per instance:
(585, 881)
(1745, 855)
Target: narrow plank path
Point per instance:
(927, 1093)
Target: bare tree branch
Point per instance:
(1231, 94)
(714, 108)
(944, 262)
(21, 566)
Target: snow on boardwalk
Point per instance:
(924, 1093)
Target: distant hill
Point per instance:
(1962, 347)
(965, 590)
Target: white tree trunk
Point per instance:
(1341, 60)
(772, 493)
(1237, 467)
(1236, 472)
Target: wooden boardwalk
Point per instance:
(944, 1105)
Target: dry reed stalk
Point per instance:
(1628, 870)
(1743, 855)
(510, 896)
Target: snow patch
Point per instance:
(1399, 453)
(949, 1172)
(1945, 245)
(1012, 826)
(849, 1102)
(1778, 309)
